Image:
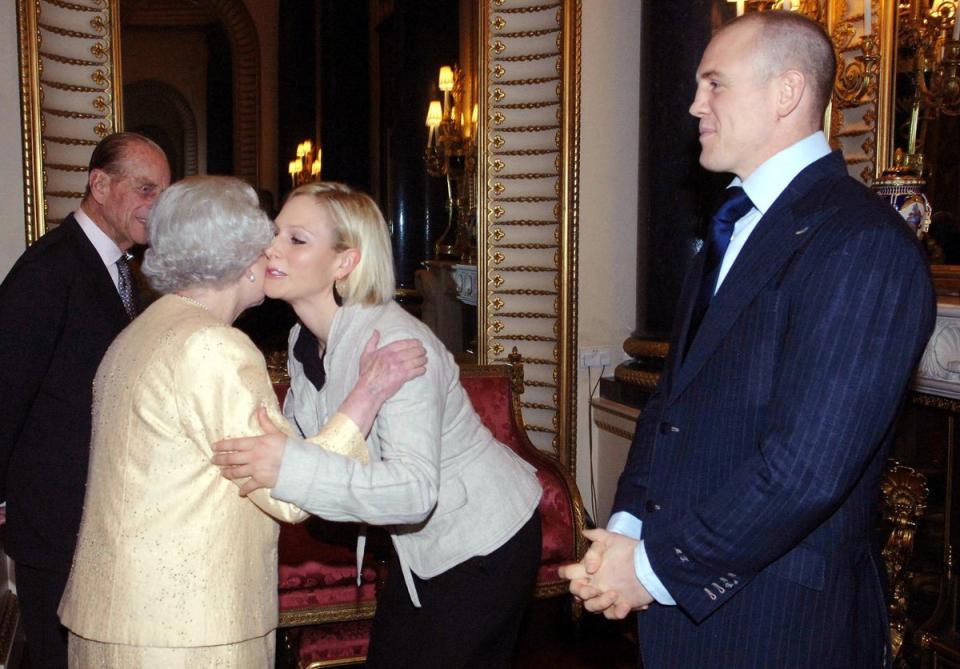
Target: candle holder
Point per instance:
(306, 166)
(857, 82)
(451, 153)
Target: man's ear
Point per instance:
(349, 260)
(791, 87)
(99, 182)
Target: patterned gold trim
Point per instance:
(528, 128)
(72, 6)
(527, 246)
(50, 175)
(526, 314)
(528, 82)
(526, 222)
(71, 87)
(530, 9)
(613, 429)
(524, 291)
(529, 58)
(66, 113)
(65, 32)
(550, 249)
(636, 377)
(531, 33)
(527, 175)
(645, 348)
(328, 614)
(68, 61)
(66, 168)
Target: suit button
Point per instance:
(667, 428)
(651, 506)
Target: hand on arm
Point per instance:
(256, 457)
(383, 371)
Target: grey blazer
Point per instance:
(449, 490)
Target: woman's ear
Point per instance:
(349, 260)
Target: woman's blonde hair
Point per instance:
(357, 224)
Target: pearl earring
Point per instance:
(252, 278)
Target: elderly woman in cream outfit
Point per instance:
(173, 567)
(460, 505)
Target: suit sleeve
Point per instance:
(221, 379)
(856, 332)
(32, 310)
(403, 487)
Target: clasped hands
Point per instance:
(605, 579)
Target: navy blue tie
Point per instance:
(734, 207)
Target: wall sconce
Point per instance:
(306, 166)
(451, 153)
(933, 34)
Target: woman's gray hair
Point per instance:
(204, 231)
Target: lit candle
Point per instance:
(739, 7)
(867, 22)
(434, 116)
(787, 5)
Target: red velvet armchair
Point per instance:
(325, 617)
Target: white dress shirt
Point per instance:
(763, 187)
(106, 248)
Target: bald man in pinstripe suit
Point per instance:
(742, 522)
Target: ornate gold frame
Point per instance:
(529, 83)
(69, 74)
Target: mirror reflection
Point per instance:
(241, 87)
(926, 127)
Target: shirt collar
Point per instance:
(106, 248)
(769, 180)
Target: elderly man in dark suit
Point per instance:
(742, 520)
(61, 305)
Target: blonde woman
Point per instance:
(460, 506)
(173, 567)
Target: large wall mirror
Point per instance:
(204, 77)
(921, 93)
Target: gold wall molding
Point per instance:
(529, 163)
(68, 100)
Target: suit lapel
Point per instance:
(96, 274)
(788, 224)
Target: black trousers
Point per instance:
(39, 591)
(470, 614)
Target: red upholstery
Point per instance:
(316, 573)
(331, 644)
(493, 400)
(318, 595)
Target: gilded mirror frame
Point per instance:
(69, 84)
(946, 277)
(529, 97)
(529, 83)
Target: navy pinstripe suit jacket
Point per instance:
(755, 466)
